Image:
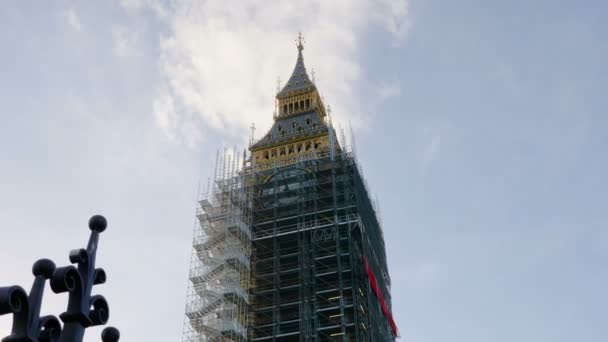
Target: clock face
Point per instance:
(285, 187)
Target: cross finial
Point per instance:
(300, 41)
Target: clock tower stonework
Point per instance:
(300, 128)
(288, 245)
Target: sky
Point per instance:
(481, 127)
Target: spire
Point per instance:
(300, 42)
(299, 77)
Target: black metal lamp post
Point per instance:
(83, 309)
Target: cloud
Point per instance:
(219, 59)
(73, 20)
(125, 42)
(391, 17)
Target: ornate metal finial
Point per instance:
(300, 41)
(312, 73)
(278, 84)
(110, 334)
(83, 310)
(27, 323)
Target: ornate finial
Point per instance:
(84, 310)
(300, 41)
(278, 84)
(110, 334)
(313, 75)
(28, 325)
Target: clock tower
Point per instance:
(288, 245)
(300, 128)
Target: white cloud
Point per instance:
(125, 42)
(220, 60)
(391, 17)
(73, 20)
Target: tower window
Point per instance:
(308, 146)
(283, 133)
(282, 153)
(290, 150)
(307, 103)
(308, 121)
(314, 126)
(293, 124)
(265, 154)
(284, 108)
(297, 107)
(273, 154)
(299, 149)
(291, 107)
(302, 104)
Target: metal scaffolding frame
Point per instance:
(217, 304)
(279, 254)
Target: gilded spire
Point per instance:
(300, 42)
(299, 77)
(300, 129)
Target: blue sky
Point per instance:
(481, 127)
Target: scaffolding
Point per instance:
(289, 253)
(217, 303)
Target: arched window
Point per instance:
(273, 154)
(302, 104)
(291, 107)
(293, 124)
(279, 128)
(297, 107)
(282, 153)
(290, 150)
(308, 146)
(284, 109)
(265, 154)
(307, 103)
(308, 121)
(299, 148)
(317, 145)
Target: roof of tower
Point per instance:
(299, 77)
